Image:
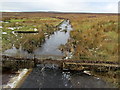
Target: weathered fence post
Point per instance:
(34, 61)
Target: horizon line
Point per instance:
(64, 12)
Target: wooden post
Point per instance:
(109, 68)
(34, 61)
(100, 68)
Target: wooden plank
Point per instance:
(94, 64)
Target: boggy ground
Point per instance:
(94, 36)
(44, 25)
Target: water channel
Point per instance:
(50, 76)
(50, 47)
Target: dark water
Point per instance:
(45, 77)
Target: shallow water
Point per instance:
(50, 47)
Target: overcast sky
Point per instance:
(93, 6)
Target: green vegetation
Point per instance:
(94, 38)
(44, 25)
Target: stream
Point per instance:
(50, 76)
(49, 48)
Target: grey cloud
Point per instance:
(60, 5)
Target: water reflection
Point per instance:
(50, 47)
(17, 52)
